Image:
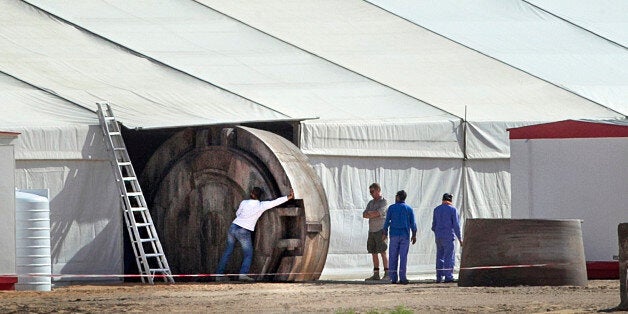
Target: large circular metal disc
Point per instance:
(195, 181)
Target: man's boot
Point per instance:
(386, 277)
(375, 275)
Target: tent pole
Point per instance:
(464, 164)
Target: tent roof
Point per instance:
(572, 129)
(581, 58)
(606, 18)
(24, 105)
(215, 48)
(83, 69)
(366, 39)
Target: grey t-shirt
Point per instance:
(380, 205)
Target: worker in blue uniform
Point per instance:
(446, 227)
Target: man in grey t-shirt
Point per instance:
(376, 244)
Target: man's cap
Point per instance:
(447, 197)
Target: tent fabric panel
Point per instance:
(216, 48)
(566, 55)
(579, 178)
(412, 59)
(487, 189)
(24, 105)
(570, 129)
(377, 138)
(606, 18)
(85, 216)
(346, 181)
(71, 142)
(489, 140)
(82, 68)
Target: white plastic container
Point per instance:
(32, 231)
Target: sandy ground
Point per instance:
(319, 296)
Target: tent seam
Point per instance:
(574, 24)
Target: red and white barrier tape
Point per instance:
(265, 274)
(139, 276)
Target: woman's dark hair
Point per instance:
(257, 192)
(402, 195)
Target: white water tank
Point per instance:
(32, 231)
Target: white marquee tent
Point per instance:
(380, 99)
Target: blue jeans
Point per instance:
(244, 237)
(398, 258)
(445, 259)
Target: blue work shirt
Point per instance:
(400, 220)
(445, 223)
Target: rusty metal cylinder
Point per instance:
(622, 234)
(195, 181)
(529, 252)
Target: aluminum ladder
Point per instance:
(149, 255)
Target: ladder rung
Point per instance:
(134, 193)
(119, 148)
(148, 240)
(143, 224)
(109, 118)
(160, 270)
(138, 209)
(124, 163)
(154, 255)
(129, 178)
(115, 133)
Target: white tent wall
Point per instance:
(428, 168)
(61, 148)
(574, 178)
(86, 219)
(486, 189)
(392, 138)
(346, 181)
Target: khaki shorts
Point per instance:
(375, 244)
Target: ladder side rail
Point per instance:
(135, 241)
(131, 190)
(130, 231)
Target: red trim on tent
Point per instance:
(7, 282)
(569, 129)
(603, 270)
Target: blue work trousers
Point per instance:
(244, 237)
(398, 258)
(445, 259)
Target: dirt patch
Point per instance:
(319, 296)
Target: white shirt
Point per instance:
(250, 210)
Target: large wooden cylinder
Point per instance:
(195, 181)
(530, 252)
